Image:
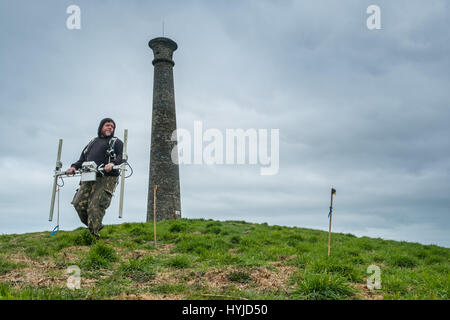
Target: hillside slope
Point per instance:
(205, 259)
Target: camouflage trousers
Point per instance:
(92, 199)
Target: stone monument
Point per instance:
(164, 171)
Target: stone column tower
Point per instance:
(163, 171)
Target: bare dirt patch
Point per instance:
(168, 277)
(262, 278)
(140, 253)
(32, 276)
(35, 273)
(126, 296)
(365, 293)
(72, 253)
(22, 258)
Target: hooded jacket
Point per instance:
(96, 150)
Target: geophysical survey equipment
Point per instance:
(87, 172)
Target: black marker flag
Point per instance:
(333, 192)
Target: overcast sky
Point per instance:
(365, 111)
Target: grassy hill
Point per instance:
(205, 259)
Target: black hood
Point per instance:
(99, 131)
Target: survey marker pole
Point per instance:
(333, 192)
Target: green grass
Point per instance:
(239, 276)
(7, 266)
(323, 286)
(141, 270)
(206, 259)
(180, 262)
(100, 257)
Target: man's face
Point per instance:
(108, 129)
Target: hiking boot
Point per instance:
(96, 236)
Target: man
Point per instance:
(94, 197)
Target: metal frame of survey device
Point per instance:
(122, 174)
(88, 172)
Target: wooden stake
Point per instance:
(331, 215)
(154, 211)
(329, 237)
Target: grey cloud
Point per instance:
(363, 111)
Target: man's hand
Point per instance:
(71, 170)
(109, 167)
